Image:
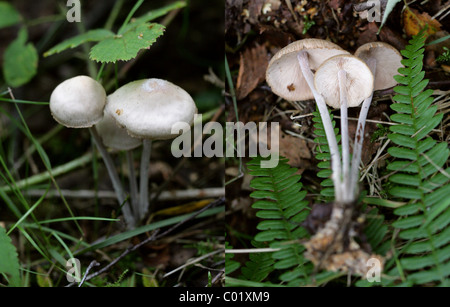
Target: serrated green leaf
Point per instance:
(8, 15)
(20, 61)
(126, 46)
(73, 42)
(9, 261)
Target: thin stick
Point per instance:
(91, 265)
(327, 124)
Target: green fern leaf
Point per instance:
(420, 177)
(281, 205)
(322, 153)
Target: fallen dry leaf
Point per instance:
(413, 22)
(252, 70)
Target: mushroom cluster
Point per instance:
(320, 70)
(135, 114)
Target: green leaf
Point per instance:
(8, 15)
(154, 14)
(126, 46)
(9, 261)
(73, 42)
(20, 61)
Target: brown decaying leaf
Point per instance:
(413, 22)
(252, 70)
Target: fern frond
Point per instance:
(323, 155)
(281, 205)
(419, 176)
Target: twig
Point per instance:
(91, 265)
(165, 196)
(193, 261)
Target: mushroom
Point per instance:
(114, 136)
(117, 138)
(289, 75)
(78, 103)
(284, 74)
(384, 62)
(148, 109)
(344, 81)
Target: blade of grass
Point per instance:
(36, 204)
(79, 218)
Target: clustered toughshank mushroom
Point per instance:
(313, 68)
(135, 114)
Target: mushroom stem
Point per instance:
(359, 136)
(302, 57)
(342, 78)
(143, 184)
(133, 185)
(117, 185)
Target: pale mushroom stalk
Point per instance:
(117, 185)
(134, 194)
(143, 184)
(302, 57)
(359, 136)
(384, 61)
(344, 81)
(342, 78)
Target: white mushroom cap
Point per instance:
(149, 108)
(78, 102)
(114, 136)
(283, 73)
(359, 83)
(388, 61)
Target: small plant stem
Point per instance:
(342, 78)
(359, 136)
(117, 185)
(133, 185)
(143, 184)
(327, 124)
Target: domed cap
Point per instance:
(388, 61)
(78, 102)
(114, 136)
(284, 75)
(359, 84)
(149, 108)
